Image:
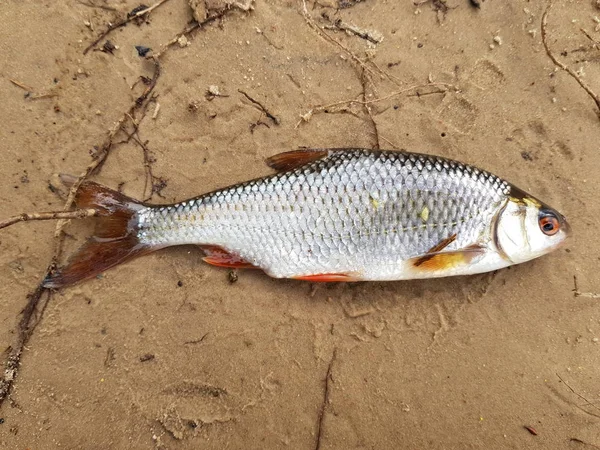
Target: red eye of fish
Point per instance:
(549, 224)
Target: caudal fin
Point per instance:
(115, 238)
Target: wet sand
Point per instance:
(166, 352)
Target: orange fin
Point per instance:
(218, 256)
(323, 277)
(294, 159)
(115, 238)
(448, 260)
(435, 250)
(95, 257)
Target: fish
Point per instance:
(332, 215)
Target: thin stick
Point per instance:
(388, 141)
(122, 23)
(191, 28)
(317, 109)
(579, 441)
(311, 23)
(578, 293)
(325, 402)
(25, 328)
(364, 81)
(157, 184)
(21, 85)
(140, 100)
(261, 107)
(589, 36)
(79, 214)
(587, 402)
(564, 67)
(30, 91)
(423, 94)
(404, 91)
(380, 99)
(353, 29)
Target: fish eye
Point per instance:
(549, 223)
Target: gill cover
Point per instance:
(526, 228)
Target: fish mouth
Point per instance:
(564, 225)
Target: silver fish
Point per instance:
(333, 215)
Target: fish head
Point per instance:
(526, 228)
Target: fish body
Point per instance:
(339, 215)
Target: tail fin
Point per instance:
(115, 239)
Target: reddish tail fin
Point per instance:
(115, 239)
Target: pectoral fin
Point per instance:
(438, 260)
(436, 249)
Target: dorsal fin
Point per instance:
(294, 159)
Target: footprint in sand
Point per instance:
(458, 111)
(535, 142)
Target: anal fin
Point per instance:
(326, 277)
(218, 256)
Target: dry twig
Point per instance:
(563, 66)
(311, 23)
(587, 402)
(321, 416)
(35, 303)
(367, 107)
(29, 91)
(586, 33)
(196, 26)
(122, 23)
(21, 85)
(390, 143)
(78, 214)
(372, 36)
(345, 103)
(578, 293)
(424, 94)
(261, 107)
(157, 184)
(579, 441)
